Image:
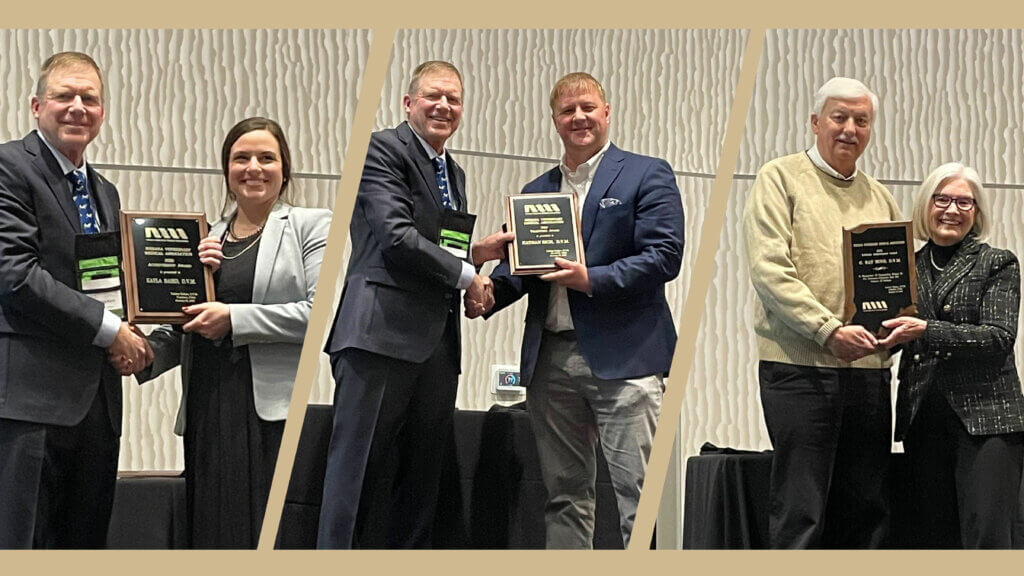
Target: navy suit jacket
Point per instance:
(49, 370)
(632, 226)
(400, 285)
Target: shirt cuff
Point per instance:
(108, 330)
(466, 278)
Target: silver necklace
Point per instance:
(254, 241)
(931, 256)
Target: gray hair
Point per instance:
(939, 177)
(843, 89)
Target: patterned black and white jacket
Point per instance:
(967, 349)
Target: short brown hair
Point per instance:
(251, 125)
(431, 67)
(575, 83)
(66, 60)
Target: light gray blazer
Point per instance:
(274, 325)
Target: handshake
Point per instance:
(479, 297)
(130, 352)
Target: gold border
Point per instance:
(850, 305)
(131, 289)
(518, 269)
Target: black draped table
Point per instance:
(491, 496)
(726, 503)
(149, 512)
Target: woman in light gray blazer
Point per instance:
(239, 354)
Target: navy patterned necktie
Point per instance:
(83, 201)
(442, 182)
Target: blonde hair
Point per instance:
(936, 180)
(431, 67)
(575, 83)
(65, 61)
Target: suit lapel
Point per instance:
(926, 308)
(607, 171)
(551, 181)
(270, 245)
(47, 165)
(422, 161)
(458, 182)
(959, 265)
(105, 201)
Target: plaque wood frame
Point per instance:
(131, 289)
(850, 306)
(516, 264)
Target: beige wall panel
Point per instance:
(944, 95)
(171, 95)
(670, 90)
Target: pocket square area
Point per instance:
(609, 202)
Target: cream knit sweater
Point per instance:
(793, 225)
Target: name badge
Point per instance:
(456, 232)
(98, 267)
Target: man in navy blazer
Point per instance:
(394, 345)
(598, 338)
(60, 398)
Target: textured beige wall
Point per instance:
(944, 96)
(171, 97)
(670, 93)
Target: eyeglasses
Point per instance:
(963, 204)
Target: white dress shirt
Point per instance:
(559, 316)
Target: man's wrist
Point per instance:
(466, 276)
(826, 331)
(108, 330)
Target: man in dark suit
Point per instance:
(60, 399)
(395, 342)
(599, 337)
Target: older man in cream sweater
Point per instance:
(824, 385)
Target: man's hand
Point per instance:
(493, 247)
(572, 275)
(130, 352)
(211, 320)
(211, 252)
(479, 298)
(902, 329)
(853, 342)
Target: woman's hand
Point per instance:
(210, 252)
(211, 320)
(902, 329)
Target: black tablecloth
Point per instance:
(726, 503)
(491, 494)
(148, 514)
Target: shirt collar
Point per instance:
(815, 155)
(431, 153)
(586, 170)
(65, 165)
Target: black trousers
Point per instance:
(57, 482)
(392, 427)
(831, 431)
(960, 479)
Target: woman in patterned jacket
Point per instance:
(959, 409)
